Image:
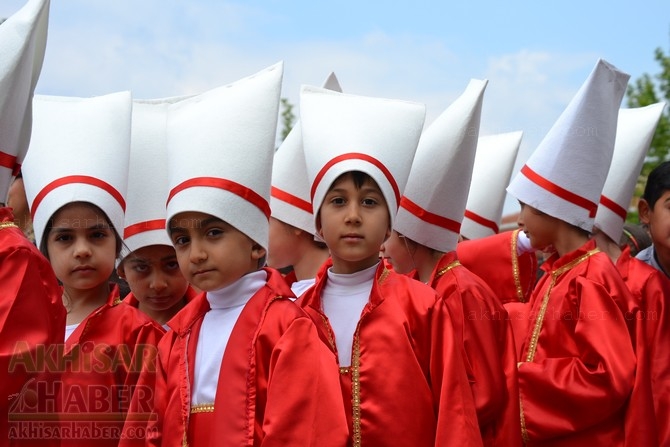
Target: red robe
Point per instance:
(407, 384)
(273, 388)
(102, 362)
(32, 324)
(578, 363)
(648, 319)
(495, 260)
(483, 331)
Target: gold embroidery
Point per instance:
(117, 301)
(524, 430)
(356, 387)
(515, 268)
(202, 408)
(4, 225)
(383, 276)
(532, 346)
(345, 369)
(447, 268)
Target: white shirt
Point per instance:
(226, 306)
(300, 287)
(344, 297)
(69, 329)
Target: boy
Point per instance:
(241, 365)
(401, 375)
(654, 212)
(576, 362)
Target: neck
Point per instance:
(163, 316)
(570, 238)
(607, 245)
(425, 261)
(662, 257)
(80, 303)
(310, 261)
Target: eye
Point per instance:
(99, 234)
(369, 201)
(62, 237)
(141, 268)
(179, 240)
(337, 201)
(214, 232)
(172, 265)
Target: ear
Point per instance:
(121, 271)
(257, 252)
(644, 211)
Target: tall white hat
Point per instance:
(565, 174)
(494, 162)
(23, 38)
(431, 209)
(290, 201)
(220, 150)
(147, 175)
(343, 133)
(78, 152)
(634, 133)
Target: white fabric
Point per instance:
(491, 173)
(289, 176)
(343, 299)
(440, 177)
(78, 137)
(523, 244)
(300, 287)
(147, 174)
(23, 38)
(227, 134)
(69, 329)
(226, 306)
(635, 130)
(575, 154)
(371, 135)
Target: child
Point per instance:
(401, 375)
(241, 365)
(655, 214)
(646, 314)
(157, 286)
(75, 174)
(292, 240)
(576, 362)
(32, 316)
(423, 245)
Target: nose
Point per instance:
(353, 213)
(158, 282)
(82, 248)
(197, 253)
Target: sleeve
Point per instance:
(659, 353)
(566, 394)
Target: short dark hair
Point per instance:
(658, 182)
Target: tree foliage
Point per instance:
(287, 117)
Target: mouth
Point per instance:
(83, 268)
(352, 236)
(202, 272)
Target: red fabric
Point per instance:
(32, 323)
(482, 329)
(574, 390)
(274, 388)
(494, 258)
(102, 363)
(413, 386)
(648, 319)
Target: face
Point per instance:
(354, 223)
(538, 226)
(211, 253)
(81, 246)
(399, 251)
(154, 277)
(16, 199)
(282, 244)
(658, 221)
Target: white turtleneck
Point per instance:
(343, 299)
(226, 306)
(300, 287)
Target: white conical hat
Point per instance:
(494, 162)
(23, 38)
(290, 201)
(78, 153)
(431, 209)
(147, 175)
(634, 133)
(565, 174)
(220, 150)
(343, 133)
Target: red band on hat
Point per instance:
(482, 221)
(72, 179)
(291, 199)
(141, 227)
(9, 162)
(429, 217)
(614, 207)
(228, 185)
(356, 156)
(560, 192)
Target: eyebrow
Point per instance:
(201, 224)
(70, 229)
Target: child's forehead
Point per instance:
(359, 180)
(192, 219)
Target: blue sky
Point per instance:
(534, 54)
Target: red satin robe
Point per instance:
(648, 319)
(407, 384)
(273, 387)
(495, 260)
(102, 363)
(577, 362)
(483, 331)
(32, 324)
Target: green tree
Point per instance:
(287, 117)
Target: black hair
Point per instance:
(658, 182)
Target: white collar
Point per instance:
(237, 293)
